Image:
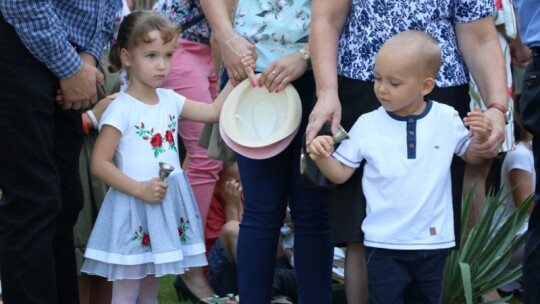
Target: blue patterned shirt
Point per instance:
(53, 31)
(372, 22)
(277, 28)
(182, 12)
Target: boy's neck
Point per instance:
(415, 109)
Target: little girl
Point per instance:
(147, 227)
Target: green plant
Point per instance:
(486, 249)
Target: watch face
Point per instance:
(305, 54)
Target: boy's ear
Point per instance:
(124, 57)
(428, 85)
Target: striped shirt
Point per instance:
(55, 31)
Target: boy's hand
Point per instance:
(153, 191)
(321, 146)
(478, 125)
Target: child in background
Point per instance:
(408, 145)
(147, 227)
(518, 176)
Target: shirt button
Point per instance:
(411, 120)
(411, 132)
(411, 145)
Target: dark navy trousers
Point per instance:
(39, 179)
(530, 115)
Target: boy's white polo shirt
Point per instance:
(406, 178)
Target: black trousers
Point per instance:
(39, 180)
(530, 115)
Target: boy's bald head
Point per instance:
(418, 46)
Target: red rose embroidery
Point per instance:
(156, 141)
(146, 240)
(169, 136)
(143, 237)
(184, 226)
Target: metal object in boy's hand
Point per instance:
(164, 170)
(340, 135)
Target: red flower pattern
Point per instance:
(156, 141)
(169, 136)
(146, 240)
(143, 237)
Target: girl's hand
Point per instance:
(153, 191)
(232, 51)
(281, 72)
(248, 60)
(321, 146)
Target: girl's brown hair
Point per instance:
(134, 30)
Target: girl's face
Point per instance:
(399, 87)
(149, 64)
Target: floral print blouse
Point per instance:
(276, 27)
(181, 12)
(372, 22)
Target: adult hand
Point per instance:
(521, 55)
(79, 90)
(232, 51)
(490, 148)
(327, 108)
(277, 75)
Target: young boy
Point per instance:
(408, 145)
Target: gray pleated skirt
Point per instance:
(132, 239)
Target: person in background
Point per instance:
(45, 47)
(227, 203)
(477, 175)
(345, 38)
(95, 289)
(529, 28)
(222, 261)
(193, 76)
(405, 249)
(275, 35)
(518, 177)
(92, 289)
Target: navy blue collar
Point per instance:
(415, 117)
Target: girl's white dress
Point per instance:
(131, 238)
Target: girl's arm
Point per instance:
(204, 112)
(104, 169)
(521, 182)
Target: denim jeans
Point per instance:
(269, 186)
